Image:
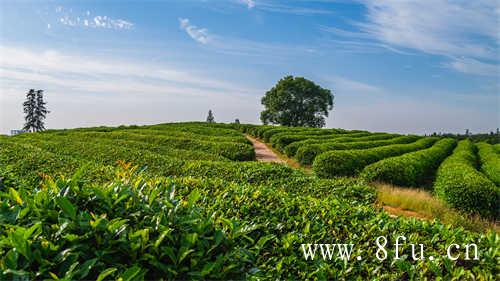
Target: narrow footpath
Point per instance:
(263, 153)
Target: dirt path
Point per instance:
(263, 153)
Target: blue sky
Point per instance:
(399, 66)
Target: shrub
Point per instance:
(351, 162)
(490, 162)
(461, 185)
(306, 154)
(291, 149)
(410, 169)
(131, 228)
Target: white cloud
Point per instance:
(198, 34)
(345, 86)
(66, 17)
(249, 3)
(437, 27)
(101, 74)
(115, 91)
(469, 30)
(440, 27)
(472, 66)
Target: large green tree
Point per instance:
(296, 101)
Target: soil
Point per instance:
(263, 153)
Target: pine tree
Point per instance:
(40, 111)
(29, 110)
(35, 111)
(210, 117)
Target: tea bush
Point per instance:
(291, 149)
(459, 183)
(306, 154)
(410, 169)
(351, 162)
(490, 162)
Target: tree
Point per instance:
(210, 117)
(40, 111)
(29, 110)
(296, 102)
(35, 111)
(237, 121)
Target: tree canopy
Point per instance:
(296, 101)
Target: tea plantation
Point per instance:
(188, 201)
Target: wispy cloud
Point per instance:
(292, 7)
(345, 86)
(451, 29)
(240, 46)
(472, 66)
(104, 75)
(460, 29)
(198, 34)
(249, 3)
(115, 91)
(67, 17)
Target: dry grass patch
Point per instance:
(415, 202)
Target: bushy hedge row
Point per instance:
(306, 154)
(410, 169)
(268, 134)
(291, 149)
(225, 220)
(459, 183)
(351, 162)
(490, 161)
(30, 159)
(191, 130)
(281, 141)
(231, 150)
(497, 147)
(138, 228)
(131, 228)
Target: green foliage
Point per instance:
(461, 185)
(133, 228)
(410, 169)
(306, 154)
(490, 161)
(350, 162)
(350, 136)
(296, 102)
(187, 212)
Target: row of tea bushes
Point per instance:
(350, 162)
(459, 183)
(410, 169)
(490, 161)
(291, 149)
(138, 228)
(231, 150)
(31, 157)
(306, 154)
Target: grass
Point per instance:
(422, 204)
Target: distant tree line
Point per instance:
(491, 137)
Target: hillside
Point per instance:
(189, 201)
